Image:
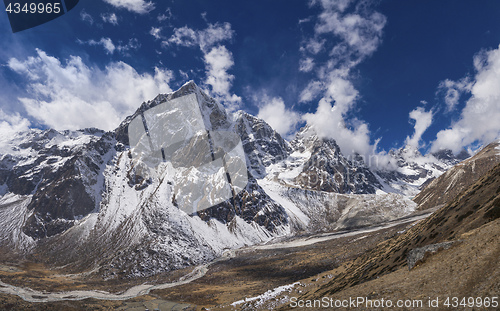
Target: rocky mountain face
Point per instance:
(410, 171)
(62, 174)
(317, 163)
(327, 169)
(79, 199)
(263, 146)
(446, 187)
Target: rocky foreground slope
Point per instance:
(474, 212)
(447, 186)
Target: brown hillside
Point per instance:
(445, 188)
(475, 207)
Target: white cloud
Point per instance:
(132, 44)
(328, 121)
(274, 112)
(347, 38)
(215, 34)
(106, 43)
(165, 16)
(156, 32)
(110, 47)
(312, 90)
(217, 62)
(362, 32)
(110, 18)
(453, 90)
(204, 39)
(338, 5)
(342, 92)
(218, 59)
(136, 6)
(86, 17)
(184, 75)
(73, 95)
(305, 20)
(306, 64)
(183, 36)
(313, 46)
(10, 125)
(423, 119)
(479, 120)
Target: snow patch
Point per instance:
(275, 192)
(13, 215)
(270, 294)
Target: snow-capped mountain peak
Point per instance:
(65, 194)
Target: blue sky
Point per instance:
(374, 75)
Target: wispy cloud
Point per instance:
(110, 18)
(110, 47)
(453, 90)
(281, 119)
(11, 125)
(360, 31)
(156, 32)
(478, 122)
(313, 46)
(346, 32)
(218, 62)
(136, 6)
(106, 43)
(217, 58)
(167, 15)
(86, 17)
(74, 95)
(205, 38)
(423, 119)
(306, 64)
(311, 91)
(333, 5)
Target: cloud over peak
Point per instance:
(74, 95)
(478, 122)
(346, 33)
(281, 119)
(217, 58)
(217, 62)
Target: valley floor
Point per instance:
(469, 268)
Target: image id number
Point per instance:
(34, 8)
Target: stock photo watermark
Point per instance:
(365, 303)
(26, 14)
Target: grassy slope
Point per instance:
(474, 208)
(457, 179)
